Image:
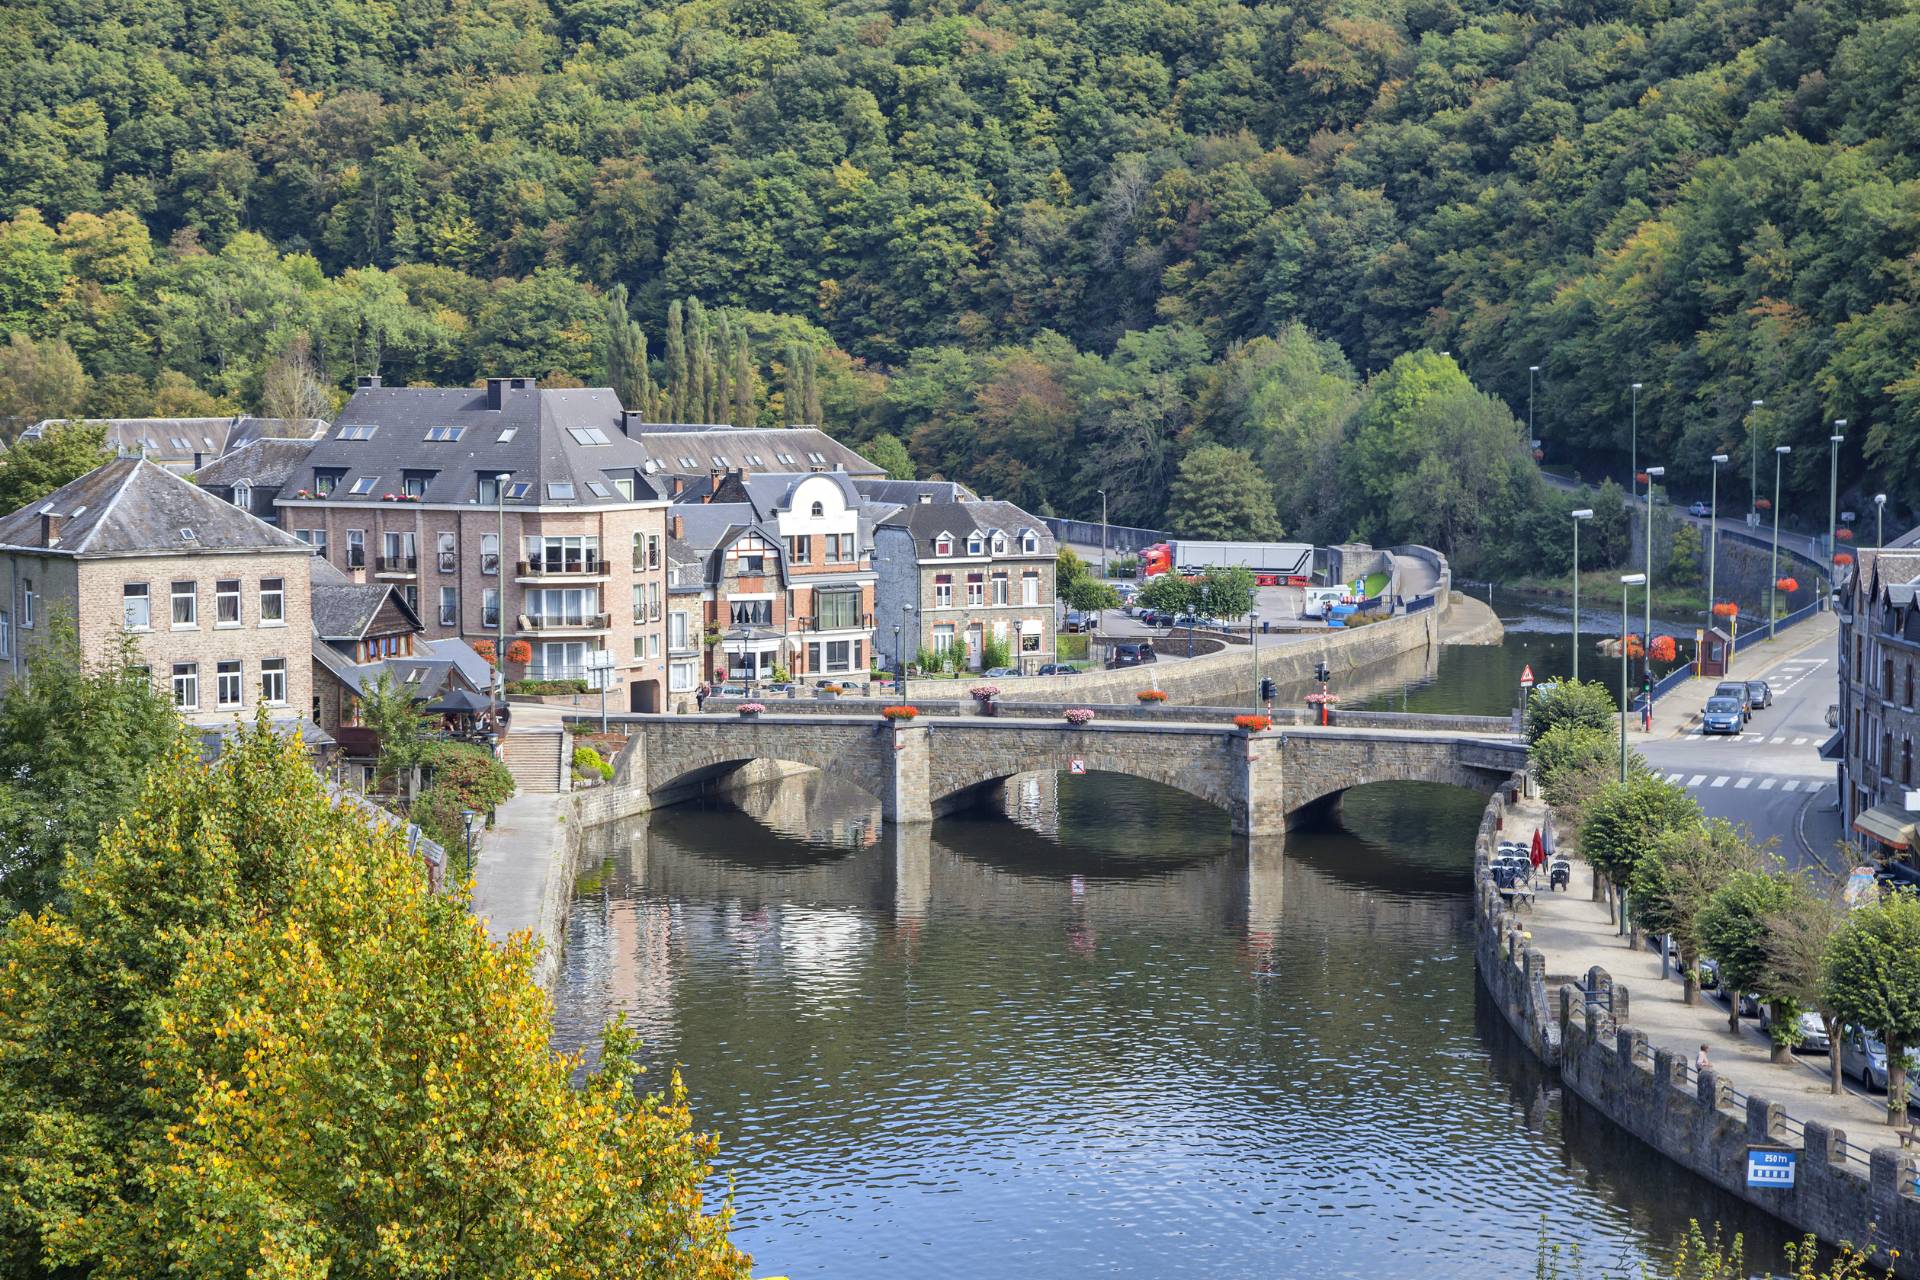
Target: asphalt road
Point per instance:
(1769, 777)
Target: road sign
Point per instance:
(1526, 676)
(1076, 765)
(1771, 1167)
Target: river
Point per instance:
(1090, 1032)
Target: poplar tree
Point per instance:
(626, 354)
(744, 414)
(677, 404)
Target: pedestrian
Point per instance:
(1646, 716)
(1702, 1063)
(700, 697)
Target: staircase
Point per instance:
(535, 757)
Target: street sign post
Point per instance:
(1771, 1167)
(599, 676)
(1076, 765)
(1526, 676)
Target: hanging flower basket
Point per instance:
(899, 713)
(1322, 699)
(1077, 716)
(1641, 477)
(1845, 535)
(1665, 649)
(751, 710)
(1843, 558)
(1726, 609)
(1788, 585)
(1151, 695)
(985, 691)
(1252, 723)
(520, 651)
(1763, 504)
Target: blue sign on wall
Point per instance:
(1771, 1167)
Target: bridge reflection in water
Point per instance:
(1092, 1031)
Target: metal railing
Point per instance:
(399, 564)
(449, 562)
(859, 622)
(590, 566)
(545, 622)
(1733, 1097)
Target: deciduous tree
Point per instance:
(1873, 981)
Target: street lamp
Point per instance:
(900, 645)
(1713, 534)
(470, 823)
(1833, 488)
(1633, 456)
(1626, 580)
(500, 482)
(1880, 519)
(1653, 473)
(1532, 371)
(899, 664)
(1753, 463)
(1584, 513)
(1103, 533)
(1253, 635)
(1779, 452)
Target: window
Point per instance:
(1029, 543)
(563, 606)
(411, 594)
(327, 479)
(356, 432)
(243, 496)
(490, 607)
(676, 630)
(836, 610)
(999, 544)
(976, 590)
(27, 601)
(1909, 684)
(653, 644)
(506, 435)
(414, 483)
(356, 549)
(639, 602)
(943, 591)
(273, 682)
(449, 606)
(489, 553)
(598, 490)
(750, 613)
(135, 607)
(819, 509)
(1886, 679)
(563, 555)
(273, 601)
(1906, 763)
(840, 548)
(560, 491)
(639, 648)
(444, 435)
(942, 637)
(315, 538)
(680, 677)
(1030, 636)
(588, 435)
(816, 459)
(517, 489)
(800, 548)
(398, 553)
(448, 552)
(749, 555)
(226, 602)
(1030, 587)
(943, 545)
(186, 604)
(975, 544)
(362, 485)
(1000, 587)
(489, 488)
(646, 551)
(226, 689)
(186, 686)
(624, 487)
(6, 634)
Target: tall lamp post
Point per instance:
(1103, 534)
(1833, 487)
(1713, 534)
(1584, 513)
(1779, 451)
(1653, 473)
(1626, 580)
(903, 631)
(1633, 456)
(1753, 460)
(1533, 371)
(500, 482)
(1253, 635)
(1879, 520)
(470, 824)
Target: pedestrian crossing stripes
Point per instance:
(1743, 782)
(1754, 739)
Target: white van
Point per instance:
(1316, 600)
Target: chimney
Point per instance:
(678, 484)
(714, 477)
(496, 392)
(367, 380)
(676, 527)
(50, 528)
(629, 419)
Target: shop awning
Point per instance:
(1891, 827)
(1835, 747)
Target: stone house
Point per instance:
(1879, 616)
(184, 445)
(507, 513)
(251, 476)
(787, 575)
(962, 572)
(216, 602)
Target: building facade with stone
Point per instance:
(956, 572)
(508, 513)
(1879, 731)
(216, 602)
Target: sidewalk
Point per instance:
(1676, 710)
(514, 862)
(1574, 934)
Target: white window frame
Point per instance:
(449, 606)
(221, 676)
(270, 668)
(220, 597)
(273, 602)
(186, 675)
(136, 606)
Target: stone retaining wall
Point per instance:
(1165, 712)
(1601, 1058)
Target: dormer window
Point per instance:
(1029, 543)
(999, 544)
(975, 544)
(819, 509)
(243, 496)
(943, 545)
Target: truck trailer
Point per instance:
(1274, 564)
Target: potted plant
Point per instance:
(831, 690)
(984, 696)
(1149, 696)
(751, 710)
(1078, 716)
(1253, 723)
(899, 714)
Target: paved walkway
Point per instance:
(1574, 933)
(513, 864)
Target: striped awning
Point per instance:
(1891, 827)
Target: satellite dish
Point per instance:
(650, 466)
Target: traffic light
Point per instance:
(1321, 673)
(1267, 688)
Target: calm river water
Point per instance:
(1091, 1033)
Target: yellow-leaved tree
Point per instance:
(255, 1045)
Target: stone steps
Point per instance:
(535, 758)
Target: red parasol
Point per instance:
(1539, 850)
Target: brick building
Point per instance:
(506, 508)
(959, 572)
(786, 574)
(217, 602)
(1879, 618)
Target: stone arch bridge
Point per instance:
(924, 768)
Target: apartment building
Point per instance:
(505, 513)
(216, 602)
(1879, 616)
(252, 475)
(786, 575)
(958, 572)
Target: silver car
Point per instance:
(1864, 1056)
(1813, 1031)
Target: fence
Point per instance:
(1420, 604)
(1680, 675)
(1118, 537)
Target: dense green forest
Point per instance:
(1052, 245)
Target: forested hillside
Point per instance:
(1054, 245)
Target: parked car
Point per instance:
(1722, 715)
(1813, 1032)
(1863, 1055)
(1131, 655)
(997, 672)
(1058, 669)
(1760, 694)
(1699, 510)
(1736, 689)
(1709, 971)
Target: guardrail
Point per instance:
(1420, 604)
(1680, 675)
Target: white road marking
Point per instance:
(1696, 779)
(1743, 784)
(1675, 777)
(1768, 784)
(1720, 781)
(1801, 742)
(1791, 784)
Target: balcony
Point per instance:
(555, 624)
(449, 562)
(863, 622)
(397, 566)
(586, 570)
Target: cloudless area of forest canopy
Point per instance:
(1050, 246)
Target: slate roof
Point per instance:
(902, 493)
(180, 440)
(696, 451)
(685, 566)
(474, 669)
(543, 437)
(265, 463)
(927, 521)
(131, 506)
(343, 611)
(247, 430)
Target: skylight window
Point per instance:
(180, 442)
(506, 435)
(598, 490)
(363, 484)
(718, 461)
(356, 431)
(786, 459)
(817, 459)
(588, 435)
(560, 491)
(186, 535)
(517, 490)
(687, 462)
(445, 435)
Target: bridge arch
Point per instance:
(1317, 778)
(963, 765)
(686, 757)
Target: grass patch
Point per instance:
(1073, 648)
(1599, 586)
